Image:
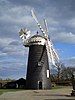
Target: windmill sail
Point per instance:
(52, 55)
(35, 18)
(46, 28)
(24, 34)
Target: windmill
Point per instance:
(41, 56)
(52, 55)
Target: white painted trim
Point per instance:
(47, 73)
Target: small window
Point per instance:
(47, 73)
(40, 64)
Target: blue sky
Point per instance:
(15, 14)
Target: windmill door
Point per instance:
(40, 85)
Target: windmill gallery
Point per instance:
(42, 56)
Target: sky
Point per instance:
(16, 14)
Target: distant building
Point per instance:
(18, 84)
(0, 85)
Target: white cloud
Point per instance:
(15, 50)
(69, 62)
(5, 41)
(65, 37)
(2, 54)
(16, 15)
(13, 18)
(71, 22)
(9, 48)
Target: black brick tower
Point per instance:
(38, 74)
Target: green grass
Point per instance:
(58, 87)
(14, 90)
(9, 90)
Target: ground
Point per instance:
(53, 94)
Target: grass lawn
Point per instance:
(58, 87)
(9, 90)
(14, 90)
